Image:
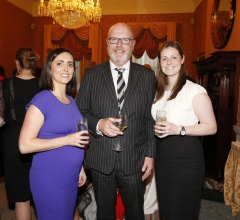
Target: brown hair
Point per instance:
(162, 80)
(46, 81)
(27, 58)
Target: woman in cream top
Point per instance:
(179, 163)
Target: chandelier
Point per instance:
(71, 13)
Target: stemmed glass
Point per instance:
(82, 125)
(121, 125)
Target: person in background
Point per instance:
(150, 195)
(16, 92)
(49, 131)
(98, 101)
(2, 73)
(2, 123)
(179, 164)
(147, 66)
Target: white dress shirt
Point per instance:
(115, 77)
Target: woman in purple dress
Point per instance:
(49, 131)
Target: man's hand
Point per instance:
(147, 167)
(107, 127)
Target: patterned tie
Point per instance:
(121, 87)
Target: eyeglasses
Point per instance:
(114, 40)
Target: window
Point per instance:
(154, 63)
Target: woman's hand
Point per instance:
(164, 129)
(82, 177)
(79, 139)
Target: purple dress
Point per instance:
(54, 173)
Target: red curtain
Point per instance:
(149, 36)
(76, 40)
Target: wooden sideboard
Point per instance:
(219, 74)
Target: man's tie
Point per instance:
(121, 88)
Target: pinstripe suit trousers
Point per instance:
(131, 188)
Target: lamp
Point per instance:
(71, 13)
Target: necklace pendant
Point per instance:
(68, 106)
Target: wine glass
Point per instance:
(121, 125)
(82, 125)
(161, 116)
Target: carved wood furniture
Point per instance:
(219, 74)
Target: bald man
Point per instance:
(98, 101)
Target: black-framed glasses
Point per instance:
(114, 40)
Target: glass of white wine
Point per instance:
(122, 125)
(161, 116)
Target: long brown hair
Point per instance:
(162, 80)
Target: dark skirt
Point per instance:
(16, 167)
(179, 170)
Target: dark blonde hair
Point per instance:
(27, 58)
(46, 81)
(162, 80)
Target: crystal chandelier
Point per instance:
(71, 13)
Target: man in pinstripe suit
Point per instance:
(97, 100)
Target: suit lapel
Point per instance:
(107, 75)
(132, 83)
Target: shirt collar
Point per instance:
(125, 66)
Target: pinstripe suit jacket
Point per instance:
(97, 99)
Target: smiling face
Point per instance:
(171, 61)
(120, 53)
(62, 68)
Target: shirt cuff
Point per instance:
(98, 132)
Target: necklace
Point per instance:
(67, 106)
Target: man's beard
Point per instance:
(119, 60)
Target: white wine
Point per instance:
(161, 116)
(161, 119)
(120, 125)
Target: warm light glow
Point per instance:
(71, 13)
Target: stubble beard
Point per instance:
(119, 60)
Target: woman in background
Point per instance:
(16, 93)
(49, 131)
(179, 163)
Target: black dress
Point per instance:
(17, 165)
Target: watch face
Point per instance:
(183, 132)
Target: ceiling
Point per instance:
(112, 7)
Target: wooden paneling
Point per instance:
(15, 32)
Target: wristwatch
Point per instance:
(183, 131)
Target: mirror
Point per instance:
(222, 19)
